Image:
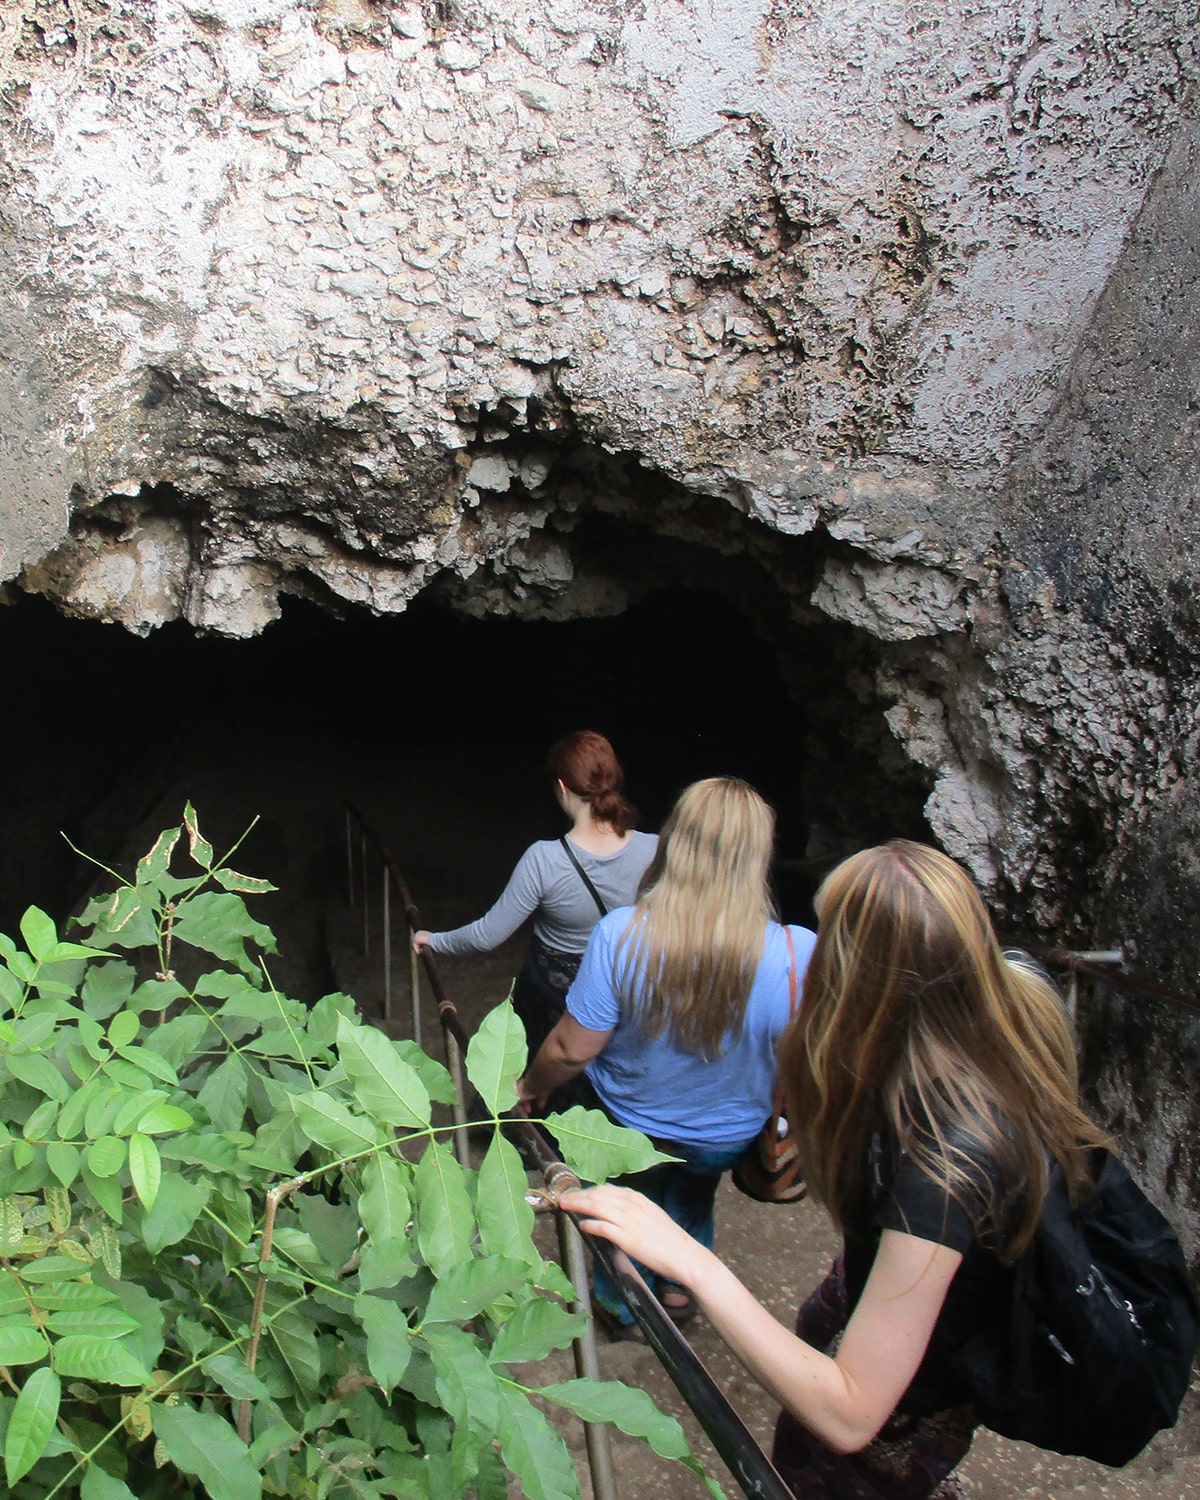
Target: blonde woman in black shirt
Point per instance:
(930, 1083)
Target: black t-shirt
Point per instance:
(898, 1195)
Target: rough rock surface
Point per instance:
(880, 304)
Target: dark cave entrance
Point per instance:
(435, 724)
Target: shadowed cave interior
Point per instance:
(436, 725)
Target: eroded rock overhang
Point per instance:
(357, 301)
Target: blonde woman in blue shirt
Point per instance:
(677, 1006)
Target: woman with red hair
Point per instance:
(565, 884)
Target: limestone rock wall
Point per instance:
(355, 300)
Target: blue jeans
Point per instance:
(686, 1190)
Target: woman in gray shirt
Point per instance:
(566, 884)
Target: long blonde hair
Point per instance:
(913, 1023)
(686, 961)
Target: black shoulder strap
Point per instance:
(583, 875)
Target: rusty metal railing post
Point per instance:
(598, 1437)
(362, 838)
(387, 946)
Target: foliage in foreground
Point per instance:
(236, 1257)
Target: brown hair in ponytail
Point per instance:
(587, 765)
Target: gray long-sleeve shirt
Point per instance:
(545, 882)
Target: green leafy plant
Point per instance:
(237, 1255)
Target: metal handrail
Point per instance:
(751, 1468)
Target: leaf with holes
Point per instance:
(496, 1057)
(198, 846)
(154, 865)
(12, 1226)
(31, 1423)
(384, 1084)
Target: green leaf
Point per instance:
(31, 1423)
(147, 1061)
(156, 994)
(54, 1268)
(294, 1336)
(223, 1095)
(93, 1322)
(176, 1208)
(332, 1227)
(20, 1342)
(199, 848)
(384, 1205)
(106, 1157)
(597, 1149)
(177, 1040)
(122, 1029)
(126, 1118)
(496, 1057)
(218, 923)
(73, 1294)
(389, 1344)
(445, 1221)
(101, 1111)
(433, 1074)
(625, 1407)
(107, 988)
(39, 1073)
(99, 1484)
(38, 1124)
(39, 933)
(58, 1202)
(88, 1358)
(147, 1341)
(467, 1289)
(235, 1378)
(145, 1168)
(467, 1386)
(63, 1160)
(384, 1084)
(534, 1451)
(327, 1122)
(153, 865)
(505, 1218)
(536, 1329)
(161, 1118)
(204, 1444)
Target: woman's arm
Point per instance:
(843, 1401)
(519, 899)
(565, 1052)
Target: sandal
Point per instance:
(618, 1332)
(684, 1308)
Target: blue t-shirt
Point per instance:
(675, 1095)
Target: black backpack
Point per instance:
(1093, 1354)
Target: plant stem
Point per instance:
(274, 1198)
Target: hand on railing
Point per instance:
(420, 942)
